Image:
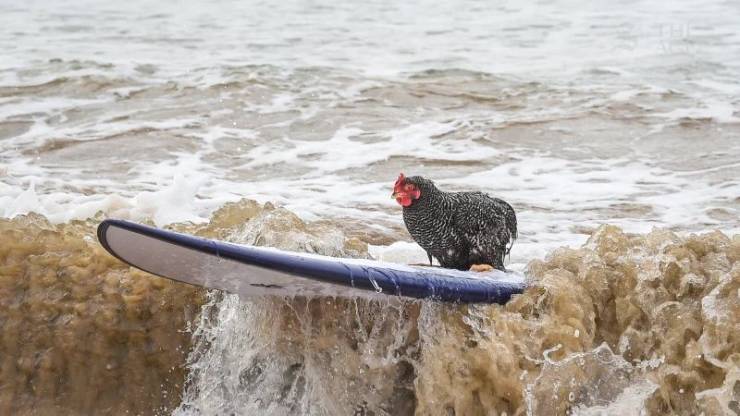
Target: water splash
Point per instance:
(300, 356)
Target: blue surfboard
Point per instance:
(259, 271)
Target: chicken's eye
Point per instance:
(409, 187)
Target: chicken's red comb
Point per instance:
(400, 180)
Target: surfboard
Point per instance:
(260, 271)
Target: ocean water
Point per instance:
(580, 114)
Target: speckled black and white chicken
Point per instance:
(462, 230)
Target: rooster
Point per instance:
(462, 230)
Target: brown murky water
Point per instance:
(81, 332)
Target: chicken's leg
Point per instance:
(481, 268)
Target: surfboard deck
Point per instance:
(259, 271)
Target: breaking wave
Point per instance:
(627, 323)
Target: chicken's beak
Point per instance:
(394, 195)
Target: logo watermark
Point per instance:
(665, 37)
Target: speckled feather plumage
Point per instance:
(460, 229)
